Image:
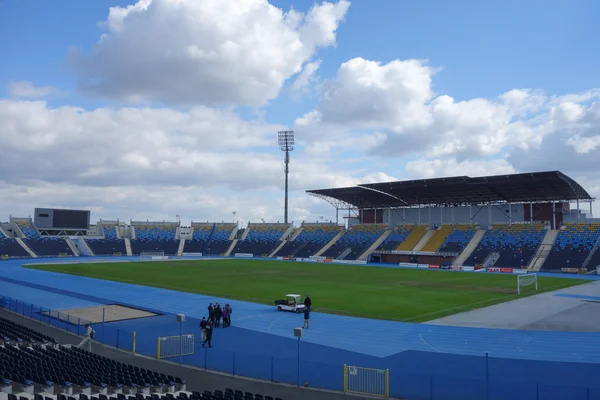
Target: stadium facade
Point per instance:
(518, 221)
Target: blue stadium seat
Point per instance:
(44, 246)
(155, 237)
(219, 240)
(458, 239)
(358, 239)
(308, 242)
(15, 333)
(9, 247)
(110, 245)
(68, 367)
(262, 239)
(47, 246)
(396, 237)
(200, 238)
(515, 243)
(572, 246)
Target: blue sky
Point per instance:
(547, 51)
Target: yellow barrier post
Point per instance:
(134, 339)
(158, 349)
(345, 378)
(387, 383)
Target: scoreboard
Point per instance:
(53, 218)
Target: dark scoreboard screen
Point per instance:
(71, 219)
(51, 218)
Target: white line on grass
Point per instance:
(470, 305)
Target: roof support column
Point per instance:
(531, 214)
(591, 213)
(404, 214)
(374, 215)
(470, 214)
(509, 214)
(553, 214)
(489, 215)
(337, 216)
(577, 210)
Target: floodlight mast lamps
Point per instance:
(286, 144)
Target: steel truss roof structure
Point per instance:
(536, 187)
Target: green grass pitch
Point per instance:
(383, 293)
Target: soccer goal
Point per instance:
(153, 256)
(527, 282)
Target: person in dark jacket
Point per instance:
(228, 307)
(306, 318)
(218, 315)
(307, 303)
(224, 317)
(211, 313)
(203, 325)
(209, 332)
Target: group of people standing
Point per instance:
(216, 313)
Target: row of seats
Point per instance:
(111, 244)
(65, 367)
(261, 238)
(458, 239)
(49, 246)
(209, 239)
(310, 240)
(41, 246)
(230, 394)
(201, 236)
(15, 333)
(358, 239)
(9, 247)
(572, 246)
(28, 229)
(153, 237)
(415, 235)
(438, 238)
(515, 244)
(396, 237)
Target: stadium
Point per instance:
(449, 288)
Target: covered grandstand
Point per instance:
(551, 187)
(513, 221)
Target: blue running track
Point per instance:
(260, 333)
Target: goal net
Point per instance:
(527, 283)
(153, 256)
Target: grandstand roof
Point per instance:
(514, 188)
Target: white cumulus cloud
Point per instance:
(27, 90)
(204, 51)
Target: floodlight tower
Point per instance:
(286, 144)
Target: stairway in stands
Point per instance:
(543, 250)
(413, 238)
(469, 248)
(438, 238)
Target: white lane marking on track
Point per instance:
(276, 319)
(423, 340)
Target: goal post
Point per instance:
(529, 281)
(153, 255)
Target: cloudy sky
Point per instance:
(157, 108)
